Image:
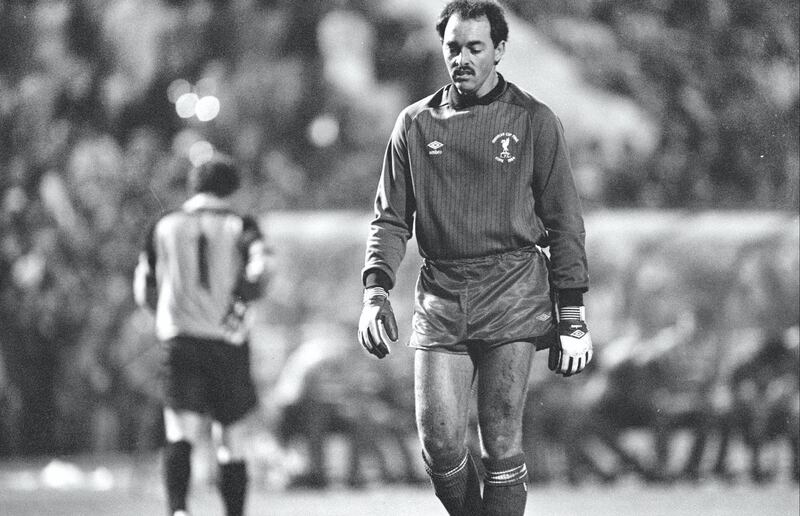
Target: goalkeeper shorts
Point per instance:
(489, 301)
(209, 377)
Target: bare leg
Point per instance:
(442, 387)
(503, 374)
(183, 425)
(502, 389)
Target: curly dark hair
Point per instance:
(218, 176)
(472, 9)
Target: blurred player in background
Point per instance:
(480, 171)
(201, 266)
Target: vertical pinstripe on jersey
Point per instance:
(468, 201)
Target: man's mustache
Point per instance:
(463, 70)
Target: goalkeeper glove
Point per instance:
(572, 351)
(377, 326)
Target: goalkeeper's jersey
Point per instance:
(478, 178)
(199, 255)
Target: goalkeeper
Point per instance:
(201, 266)
(480, 172)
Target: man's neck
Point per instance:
(204, 200)
(489, 85)
(460, 99)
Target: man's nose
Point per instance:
(462, 57)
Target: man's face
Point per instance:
(470, 54)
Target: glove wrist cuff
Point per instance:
(375, 293)
(572, 313)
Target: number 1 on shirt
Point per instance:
(202, 260)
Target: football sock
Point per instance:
(233, 486)
(177, 473)
(457, 487)
(505, 490)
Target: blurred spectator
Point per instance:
(329, 388)
(766, 397)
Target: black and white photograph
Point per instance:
(399, 257)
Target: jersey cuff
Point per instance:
(570, 297)
(377, 278)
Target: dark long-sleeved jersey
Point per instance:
(478, 178)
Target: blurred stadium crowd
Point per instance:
(105, 105)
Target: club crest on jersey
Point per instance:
(506, 141)
(435, 147)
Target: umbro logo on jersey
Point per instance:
(543, 317)
(435, 147)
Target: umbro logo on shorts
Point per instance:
(435, 147)
(577, 334)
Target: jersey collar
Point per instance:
(205, 201)
(459, 101)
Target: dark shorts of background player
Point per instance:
(209, 377)
(485, 302)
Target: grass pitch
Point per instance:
(116, 486)
(618, 500)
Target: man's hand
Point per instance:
(573, 349)
(377, 326)
(145, 291)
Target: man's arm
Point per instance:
(257, 269)
(386, 246)
(558, 206)
(145, 289)
(394, 210)
(258, 263)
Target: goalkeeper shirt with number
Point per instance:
(199, 257)
(478, 177)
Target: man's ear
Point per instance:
(499, 52)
